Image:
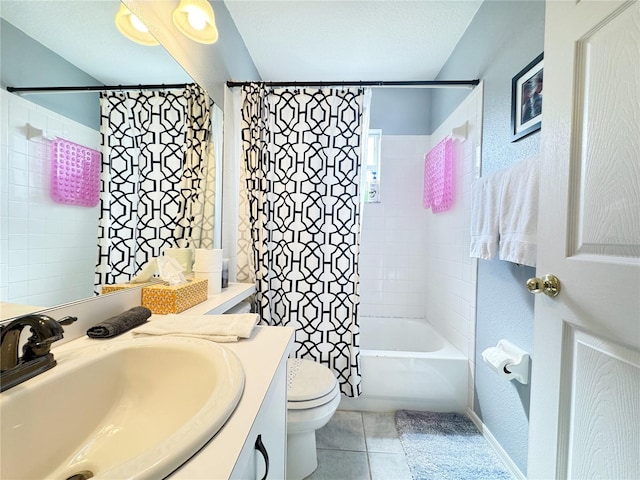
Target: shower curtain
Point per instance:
(158, 178)
(301, 152)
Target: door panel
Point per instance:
(585, 372)
(607, 127)
(601, 435)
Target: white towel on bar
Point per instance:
(519, 213)
(485, 212)
(217, 328)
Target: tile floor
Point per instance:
(360, 446)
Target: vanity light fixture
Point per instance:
(132, 28)
(195, 19)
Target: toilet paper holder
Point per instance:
(515, 367)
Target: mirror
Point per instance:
(47, 250)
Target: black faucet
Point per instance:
(36, 357)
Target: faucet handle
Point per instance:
(38, 347)
(67, 320)
(44, 331)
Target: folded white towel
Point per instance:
(485, 213)
(519, 213)
(217, 328)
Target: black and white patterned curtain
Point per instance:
(196, 214)
(157, 178)
(301, 151)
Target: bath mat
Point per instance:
(447, 446)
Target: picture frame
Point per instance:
(526, 99)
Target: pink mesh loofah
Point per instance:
(439, 189)
(75, 174)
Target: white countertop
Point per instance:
(223, 301)
(10, 310)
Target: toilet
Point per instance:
(313, 395)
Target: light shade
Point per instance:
(195, 19)
(132, 28)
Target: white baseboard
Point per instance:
(486, 433)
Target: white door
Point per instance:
(585, 399)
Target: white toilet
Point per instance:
(313, 395)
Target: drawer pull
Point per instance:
(263, 450)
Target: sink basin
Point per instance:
(133, 408)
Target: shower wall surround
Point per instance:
(414, 263)
(392, 249)
(42, 242)
(450, 289)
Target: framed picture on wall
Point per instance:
(526, 99)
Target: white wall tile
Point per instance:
(393, 231)
(450, 297)
(37, 229)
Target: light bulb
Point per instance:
(197, 19)
(137, 24)
(132, 27)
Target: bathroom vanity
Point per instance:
(252, 439)
(261, 415)
(262, 411)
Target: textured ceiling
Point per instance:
(287, 40)
(351, 40)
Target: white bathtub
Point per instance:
(406, 364)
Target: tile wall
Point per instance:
(392, 252)
(450, 288)
(414, 263)
(47, 250)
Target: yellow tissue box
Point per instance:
(116, 287)
(164, 299)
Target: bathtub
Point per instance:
(406, 364)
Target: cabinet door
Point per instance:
(271, 426)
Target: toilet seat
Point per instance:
(309, 384)
(315, 402)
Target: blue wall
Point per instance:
(401, 111)
(503, 38)
(27, 63)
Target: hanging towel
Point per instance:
(485, 212)
(217, 328)
(519, 213)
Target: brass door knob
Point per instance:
(549, 285)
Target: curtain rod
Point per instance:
(381, 83)
(95, 88)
